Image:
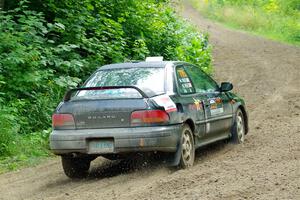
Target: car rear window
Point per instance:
(149, 80)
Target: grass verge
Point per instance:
(274, 25)
(26, 150)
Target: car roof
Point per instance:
(158, 64)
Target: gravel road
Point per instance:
(266, 166)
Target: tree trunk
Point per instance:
(2, 4)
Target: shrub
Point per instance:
(8, 130)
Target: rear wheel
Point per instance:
(187, 148)
(75, 167)
(238, 129)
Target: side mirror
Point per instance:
(226, 86)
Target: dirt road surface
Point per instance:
(267, 166)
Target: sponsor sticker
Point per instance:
(198, 104)
(232, 101)
(216, 106)
(216, 111)
(218, 100)
(166, 102)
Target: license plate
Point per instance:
(101, 146)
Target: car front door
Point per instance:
(218, 110)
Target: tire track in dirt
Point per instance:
(267, 166)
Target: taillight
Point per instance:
(149, 117)
(63, 121)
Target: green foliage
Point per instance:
(51, 45)
(276, 19)
(197, 51)
(26, 150)
(28, 65)
(8, 131)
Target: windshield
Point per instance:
(149, 80)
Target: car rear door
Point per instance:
(218, 110)
(189, 102)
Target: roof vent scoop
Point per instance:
(154, 59)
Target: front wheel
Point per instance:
(187, 147)
(75, 167)
(238, 129)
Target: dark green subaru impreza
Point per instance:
(154, 106)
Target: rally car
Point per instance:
(149, 106)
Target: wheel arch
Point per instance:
(191, 124)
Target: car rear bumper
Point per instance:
(160, 138)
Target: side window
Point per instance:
(185, 85)
(202, 82)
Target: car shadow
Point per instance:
(103, 168)
(210, 151)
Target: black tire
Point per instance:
(187, 148)
(75, 167)
(238, 129)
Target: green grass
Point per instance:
(27, 150)
(18, 162)
(255, 19)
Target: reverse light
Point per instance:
(149, 117)
(63, 121)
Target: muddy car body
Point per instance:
(159, 106)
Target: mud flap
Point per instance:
(174, 160)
